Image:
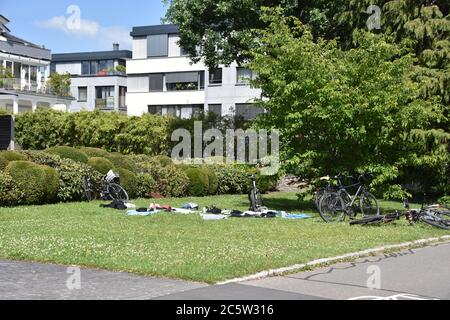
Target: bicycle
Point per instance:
(255, 197)
(111, 189)
(334, 206)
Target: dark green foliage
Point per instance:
(3, 162)
(213, 184)
(145, 185)
(30, 181)
(95, 152)
(51, 183)
(12, 156)
(170, 181)
(128, 180)
(69, 153)
(198, 182)
(164, 160)
(102, 165)
(10, 195)
(121, 161)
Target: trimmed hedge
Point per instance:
(128, 181)
(30, 180)
(102, 165)
(51, 183)
(9, 191)
(95, 152)
(12, 156)
(69, 153)
(3, 162)
(170, 181)
(121, 161)
(198, 182)
(164, 160)
(213, 183)
(145, 185)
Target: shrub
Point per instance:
(233, 179)
(30, 180)
(264, 183)
(170, 181)
(71, 174)
(198, 182)
(121, 161)
(212, 180)
(145, 185)
(9, 192)
(12, 156)
(102, 165)
(3, 162)
(69, 153)
(51, 183)
(164, 160)
(95, 152)
(128, 181)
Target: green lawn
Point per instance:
(186, 247)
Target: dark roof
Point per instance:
(153, 30)
(5, 18)
(9, 37)
(98, 55)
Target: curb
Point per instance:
(354, 255)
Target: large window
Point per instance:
(215, 76)
(82, 94)
(94, 67)
(52, 68)
(33, 73)
(155, 110)
(248, 111)
(216, 109)
(158, 45)
(85, 68)
(244, 76)
(156, 82)
(104, 66)
(17, 70)
(104, 97)
(183, 81)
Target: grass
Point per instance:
(186, 247)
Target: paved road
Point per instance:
(413, 274)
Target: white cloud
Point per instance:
(89, 29)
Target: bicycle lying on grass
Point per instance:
(110, 188)
(334, 205)
(436, 215)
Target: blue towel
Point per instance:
(135, 213)
(295, 216)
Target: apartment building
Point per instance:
(98, 79)
(24, 72)
(162, 79)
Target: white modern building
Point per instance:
(98, 79)
(162, 80)
(24, 72)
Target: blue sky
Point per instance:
(54, 23)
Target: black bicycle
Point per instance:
(255, 197)
(110, 189)
(335, 206)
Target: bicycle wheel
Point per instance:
(435, 221)
(369, 220)
(87, 189)
(116, 192)
(369, 205)
(332, 208)
(255, 200)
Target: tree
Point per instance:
(348, 111)
(59, 84)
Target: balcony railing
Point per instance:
(18, 85)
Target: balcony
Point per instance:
(20, 86)
(108, 104)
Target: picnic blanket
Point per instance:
(297, 216)
(134, 213)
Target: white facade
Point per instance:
(162, 80)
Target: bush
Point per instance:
(95, 152)
(9, 192)
(3, 162)
(121, 161)
(128, 181)
(30, 180)
(264, 183)
(71, 174)
(164, 160)
(51, 183)
(198, 182)
(212, 180)
(69, 153)
(233, 179)
(12, 156)
(145, 185)
(170, 181)
(102, 165)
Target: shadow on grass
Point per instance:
(289, 205)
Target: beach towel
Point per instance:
(297, 216)
(135, 213)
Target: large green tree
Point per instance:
(354, 110)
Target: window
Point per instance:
(248, 111)
(26, 72)
(244, 76)
(85, 68)
(9, 66)
(215, 76)
(82, 94)
(17, 70)
(156, 82)
(158, 45)
(104, 97)
(155, 110)
(180, 81)
(52, 68)
(105, 65)
(33, 73)
(216, 109)
(94, 67)
(197, 111)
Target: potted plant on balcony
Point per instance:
(121, 69)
